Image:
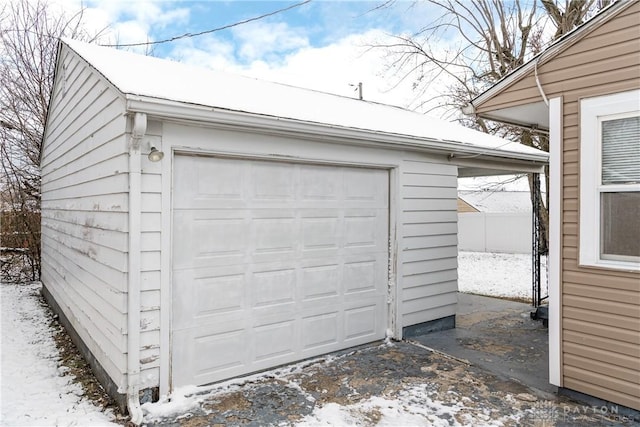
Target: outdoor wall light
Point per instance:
(155, 155)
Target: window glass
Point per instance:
(621, 151)
(620, 226)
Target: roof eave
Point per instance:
(529, 125)
(559, 45)
(246, 121)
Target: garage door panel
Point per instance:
(362, 273)
(199, 293)
(273, 235)
(361, 322)
(320, 281)
(229, 349)
(217, 295)
(194, 298)
(321, 330)
(272, 181)
(361, 185)
(320, 233)
(319, 183)
(360, 276)
(196, 353)
(274, 287)
(360, 231)
(208, 186)
(274, 340)
(215, 240)
(289, 263)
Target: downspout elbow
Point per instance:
(135, 411)
(468, 110)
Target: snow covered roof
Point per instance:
(498, 201)
(160, 80)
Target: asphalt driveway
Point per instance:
(489, 371)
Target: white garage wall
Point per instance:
(151, 223)
(429, 241)
(84, 211)
(495, 232)
(423, 197)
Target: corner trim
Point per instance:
(555, 241)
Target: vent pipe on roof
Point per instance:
(359, 89)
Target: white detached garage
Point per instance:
(280, 224)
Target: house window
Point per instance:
(610, 181)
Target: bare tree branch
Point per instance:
(491, 38)
(29, 34)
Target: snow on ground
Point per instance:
(33, 391)
(499, 275)
(414, 404)
(411, 407)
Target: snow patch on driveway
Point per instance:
(412, 407)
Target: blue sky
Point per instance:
(322, 45)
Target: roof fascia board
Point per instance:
(488, 163)
(559, 45)
(229, 119)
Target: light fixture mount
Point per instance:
(155, 155)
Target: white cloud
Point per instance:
(261, 39)
(335, 68)
(206, 51)
(266, 50)
(125, 22)
(339, 67)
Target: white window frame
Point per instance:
(593, 111)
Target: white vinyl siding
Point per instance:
(84, 211)
(151, 206)
(429, 241)
(151, 234)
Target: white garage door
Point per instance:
(274, 262)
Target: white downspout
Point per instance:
(133, 291)
(535, 73)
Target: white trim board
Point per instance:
(593, 111)
(555, 241)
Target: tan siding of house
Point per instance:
(600, 307)
(464, 207)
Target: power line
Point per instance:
(188, 35)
